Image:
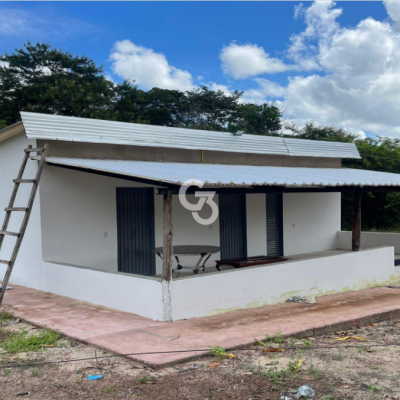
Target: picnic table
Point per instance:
(203, 251)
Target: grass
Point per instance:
(21, 341)
(338, 356)
(277, 338)
(218, 352)
(111, 390)
(144, 379)
(6, 315)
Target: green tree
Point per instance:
(41, 79)
(380, 210)
(166, 107)
(327, 133)
(264, 119)
(211, 110)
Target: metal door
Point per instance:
(232, 222)
(274, 224)
(135, 225)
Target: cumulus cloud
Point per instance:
(393, 10)
(243, 61)
(219, 87)
(360, 87)
(148, 68)
(266, 90)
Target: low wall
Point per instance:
(257, 286)
(125, 292)
(370, 240)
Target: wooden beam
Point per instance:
(356, 234)
(166, 276)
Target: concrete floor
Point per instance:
(125, 333)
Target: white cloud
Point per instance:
(265, 91)
(219, 87)
(393, 10)
(148, 68)
(359, 89)
(320, 19)
(243, 61)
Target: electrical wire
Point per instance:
(189, 351)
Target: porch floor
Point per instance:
(125, 333)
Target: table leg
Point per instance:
(204, 262)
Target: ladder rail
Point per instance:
(27, 215)
(13, 196)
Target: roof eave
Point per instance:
(11, 131)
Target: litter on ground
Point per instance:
(301, 299)
(94, 377)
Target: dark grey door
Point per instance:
(232, 222)
(135, 224)
(274, 224)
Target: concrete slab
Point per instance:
(125, 333)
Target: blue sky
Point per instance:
(236, 46)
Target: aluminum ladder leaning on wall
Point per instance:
(27, 210)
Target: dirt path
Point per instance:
(362, 372)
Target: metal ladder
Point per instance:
(27, 210)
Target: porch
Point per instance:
(82, 245)
(313, 274)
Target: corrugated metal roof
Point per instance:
(54, 127)
(235, 175)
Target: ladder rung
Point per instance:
(10, 233)
(4, 262)
(24, 180)
(34, 150)
(16, 209)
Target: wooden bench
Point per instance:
(249, 261)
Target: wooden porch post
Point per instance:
(356, 235)
(167, 256)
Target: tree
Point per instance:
(211, 110)
(264, 119)
(128, 103)
(165, 107)
(327, 133)
(380, 210)
(41, 79)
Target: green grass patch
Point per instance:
(6, 315)
(21, 341)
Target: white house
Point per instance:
(108, 198)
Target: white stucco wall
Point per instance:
(370, 240)
(80, 221)
(131, 293)
(80, 228)
(253, 287)
(310, 222)
(27, 269)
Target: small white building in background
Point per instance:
(98, 216)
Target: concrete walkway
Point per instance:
(128, 333)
